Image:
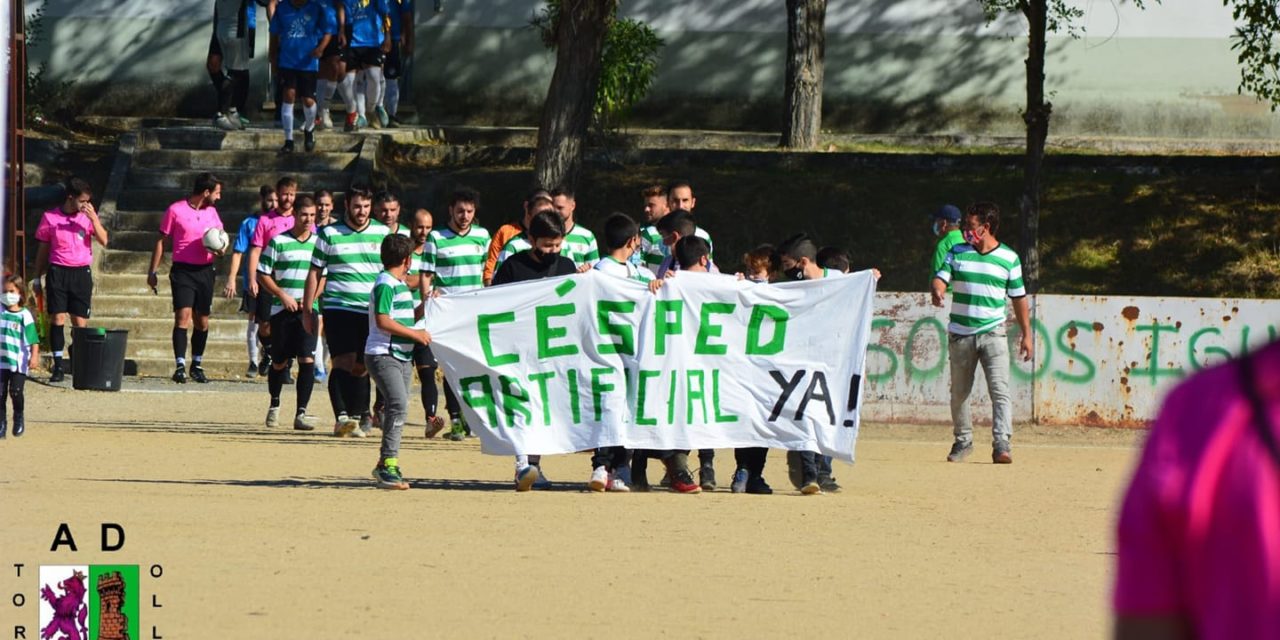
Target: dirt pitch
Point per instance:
(268, 533)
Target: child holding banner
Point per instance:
(543, 260)
(388, 351)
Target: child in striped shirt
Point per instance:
(19, 347)
(388, 352)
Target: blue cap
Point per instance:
(948, 212)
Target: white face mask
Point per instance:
(9, 299)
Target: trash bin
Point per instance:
(97, 358)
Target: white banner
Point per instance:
(592, 360)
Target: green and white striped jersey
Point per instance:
(626, 270)
(352, 261)
(980, 283)
(390, 297)
(287, 260)
(456, 260)
(17, 335)
(579, 246)
(654, 252)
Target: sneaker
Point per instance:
(242, 121)
(264, 366)
(381, 117)
(959, 451)
(757, 486)
(435, 424)
(273, 417)
(682, 482)
(57, 375)
(223, 122)
(375, 122)
(1000, 453)
(180, 375)
(325, 121)
(320, 375)
(345, 426)
(304, 422)
(309, 141)
(828, 484)
(387, 473)
(3, 427)
(457, 429)
(618, 481)
(197, 374)
(707, 477)
(351, 123)
(599, 479)
(526, 477)
(811, 487)
(543, 483)
(252, 371)
(795, 469)
(739, 484)
(361, 122)
(19, 426)
(367, 425)
(287, 148)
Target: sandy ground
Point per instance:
(270, 533)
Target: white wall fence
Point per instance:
(1099, 361)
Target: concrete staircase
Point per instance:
(154, 168)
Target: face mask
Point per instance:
(937, 227)
(544, 256)
(972, 237)
(795, 274)
(9, 299)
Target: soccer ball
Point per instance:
(215, 239)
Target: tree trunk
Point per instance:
(1037, 119)
(566, 113)
(806, 45)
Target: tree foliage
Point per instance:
(1257, 24)
(628, 64)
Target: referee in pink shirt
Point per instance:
(66, 236)
(191, 276)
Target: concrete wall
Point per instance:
(1101, 361)
(913, 65)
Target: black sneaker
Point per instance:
(959, 451)
(828, 484)
(19, 426)
(707, 477)
(309, 141)
(1000, 453)
(57, 375)
(757, 486)
(264, 367)
(180, 375)
(287, 148)
(197, 374)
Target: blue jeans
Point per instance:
(990, 349)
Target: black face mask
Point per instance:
(543, 256)
(794, 274)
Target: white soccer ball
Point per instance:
(215, 239)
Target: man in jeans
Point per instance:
(982, 272)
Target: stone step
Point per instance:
(229, 160)
(135, 284)
(161, 177)
(215, 368)
(222, 350)
(149, 220)
(157, 201)
(224, 327)
(149, 305)
(254, 139)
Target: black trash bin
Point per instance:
(97, 358)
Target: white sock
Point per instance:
(392, 97)
(348, 89)
(522, 461)
(286, 120)
(309, 115)
(361, 89)
(374, 85)
(251, 340)
(320, 356)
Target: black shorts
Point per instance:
(422, 356)
(331, 50)
(192, 287)
(289, 339)
(346, 332)
(362, 58)
(392, 65)
(262, 305)
(68, 290)
(304, 82)
(247, 304)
